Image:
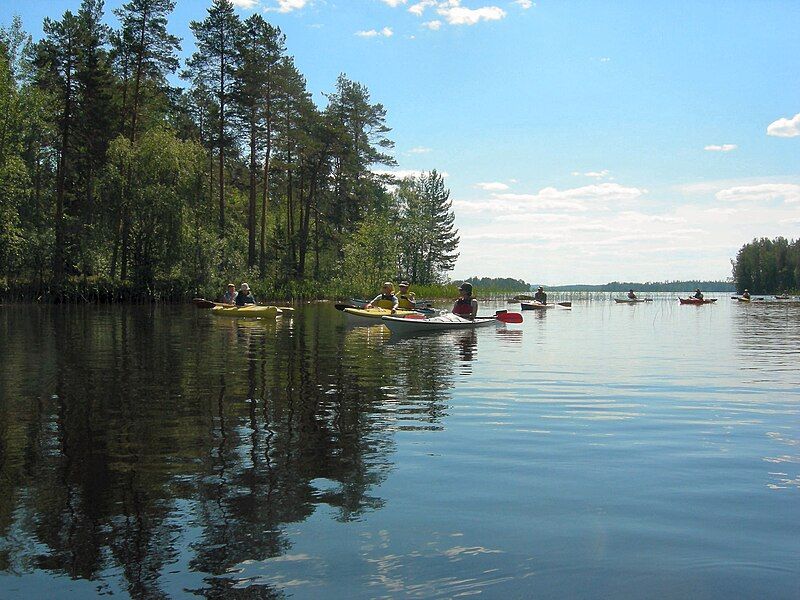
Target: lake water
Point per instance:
(608, 451)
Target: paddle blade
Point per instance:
(343, 306)
(565, 304)
(415, 316)
(507, 317)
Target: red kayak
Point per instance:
(697, 300)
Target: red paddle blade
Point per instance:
(507, 317)
(415, 316)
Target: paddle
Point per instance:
(343, 306)
(565, 304)
(507, 317)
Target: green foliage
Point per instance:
(767, 266)
(428, 239)
(112, 180)
(498, 284)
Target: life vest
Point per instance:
(386, 301)
(407, 300)
(463, 306)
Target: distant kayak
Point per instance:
(697, 301)
(536, 305)
(401, 325)
(632, 300)
(246, 311)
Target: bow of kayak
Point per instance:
(372, 316)
(269, 312)
(446, 322)
(697, 301)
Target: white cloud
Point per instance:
(785, 127)
(285, 6)
(385, 32)
(492, 186)
(788, 192)
(721, 148)
(526, 4)
(603, 174)
(394, 3)
(246, 4)
(455, 14)
(434, 25)
(419, 150)
(419, 8)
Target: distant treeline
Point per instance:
(499, 284)
(115, 183)
(658, 286)
(766, 266)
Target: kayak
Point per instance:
(697, 301)
(743, 299)
(372, 316)
(247, 311)
(442, 323)
(535, 305)
(632, 300)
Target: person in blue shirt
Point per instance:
(229, 297)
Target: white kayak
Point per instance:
(441, 323)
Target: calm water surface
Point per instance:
(608, 451)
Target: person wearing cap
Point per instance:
(466, 306)
(746, 295)
(229, 297)
(386, 299)
(698, 294)
(406, 299)
(540, 295)
(631, 295)
(244, 296)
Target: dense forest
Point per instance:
(766, 266)
(115, 182)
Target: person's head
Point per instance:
(465, 288)
(746, 290)
(231, 287)
(631, 290)
(245, 289)
(697, 290)
(540, 289)
(404, 286)
(388, 287)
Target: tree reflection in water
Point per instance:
(138, 441)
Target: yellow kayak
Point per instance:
(246, 311)
(372, 316)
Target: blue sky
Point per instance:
(582, 141)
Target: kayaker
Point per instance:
(540, 296)
(746, 295)
(698, 294)
(386, 299)
(466, 306)
(229, 297)
(407, 300)
(245, 296)
(631, 295)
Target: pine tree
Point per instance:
(214, 64)
(428, 238)
(260, 47)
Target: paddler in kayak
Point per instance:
(406, 299)
(229, 297)
(386, 299)
(698, 294)
(245, 296)
(466, 306)
(540, 296)
(631, 295)
(746, 295)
